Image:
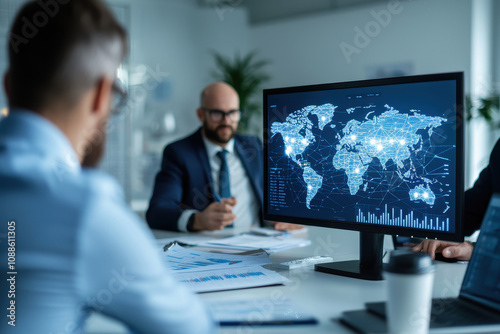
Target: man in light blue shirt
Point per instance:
(69, 243)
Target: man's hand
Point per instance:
(451, 250)
(216, 216)
(286, 226)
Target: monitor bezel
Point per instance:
(371, 228)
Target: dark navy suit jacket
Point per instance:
(478, 197)
(185, 180)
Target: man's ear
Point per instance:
(102, 98)
(6, 84)
(200, 114)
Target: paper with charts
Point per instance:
(208, 272)
(181, 259)
(230, 279)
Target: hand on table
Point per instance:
(216, 216)
(452, 250)
(286, 226)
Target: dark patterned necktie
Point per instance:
(224, 186)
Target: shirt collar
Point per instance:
(42, 135)
(213, 149)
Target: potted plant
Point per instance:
(245, 74)
(487, 107)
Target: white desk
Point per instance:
(323, 295)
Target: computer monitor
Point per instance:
(381, 156)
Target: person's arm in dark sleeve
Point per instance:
(476, 202)
(478, 197)
(164, 208)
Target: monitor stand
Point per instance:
(369, 267)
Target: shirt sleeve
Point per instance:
(120, 274)
(184, 218)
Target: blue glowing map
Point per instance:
(389, 136)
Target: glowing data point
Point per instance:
(380, 147)
(293, 140)
(353, 137)
(304, 141)
(402, 142)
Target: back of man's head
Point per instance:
(58, 49)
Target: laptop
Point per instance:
(477, 308)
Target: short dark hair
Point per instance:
(58, 49)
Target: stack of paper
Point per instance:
(188, 260)
(249, 241)
(207, 272)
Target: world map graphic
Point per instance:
(391, 136)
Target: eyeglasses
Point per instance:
(120, 97)
(217, 115)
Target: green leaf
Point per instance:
(487, 108)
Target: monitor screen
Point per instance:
(381, 156)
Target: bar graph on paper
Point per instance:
(227, 276)
(396, 217)
(230, 279)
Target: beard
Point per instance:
(95, 148)
(214, 136)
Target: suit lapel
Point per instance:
(249, 167)
(199, 147)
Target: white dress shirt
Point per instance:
(247, 206)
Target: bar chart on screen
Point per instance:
(396, 217)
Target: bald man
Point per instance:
(212, 179)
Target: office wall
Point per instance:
(224, 30)
(432, 36)
(173, 39)
(163, 37)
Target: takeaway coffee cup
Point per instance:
(409, 285)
